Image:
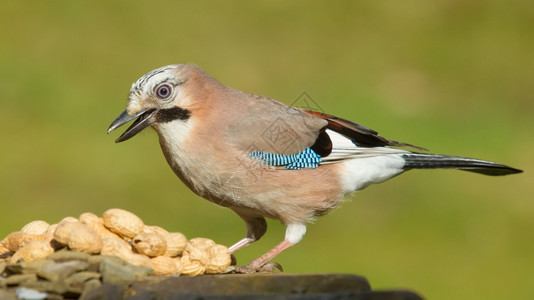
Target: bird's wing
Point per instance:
(269, 126)
(359, 134)
(280, 135)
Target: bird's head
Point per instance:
(159, 96)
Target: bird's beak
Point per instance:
(144, 119)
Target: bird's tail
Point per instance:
(436, 161)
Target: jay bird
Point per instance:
(262, 158)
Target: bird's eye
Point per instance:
(163, 91)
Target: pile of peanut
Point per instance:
(120, 233)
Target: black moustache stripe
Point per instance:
(171, 114)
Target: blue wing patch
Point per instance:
(305, 159)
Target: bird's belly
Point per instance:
(288, 195)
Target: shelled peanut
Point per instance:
(120, 233)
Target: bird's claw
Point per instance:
(270, 267)
(252, 268)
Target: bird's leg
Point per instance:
(256, 227)
(294, 234)
(241, 244)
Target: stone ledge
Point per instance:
(257, 286)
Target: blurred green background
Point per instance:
(455, 76)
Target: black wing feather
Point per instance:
(361, 135)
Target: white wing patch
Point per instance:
(344, 149)
(362, 166)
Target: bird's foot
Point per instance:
(257, 268)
